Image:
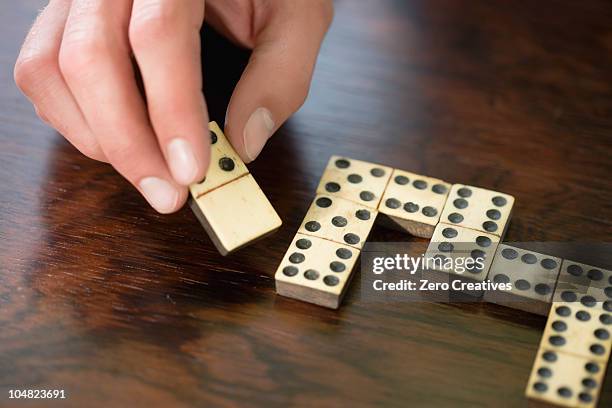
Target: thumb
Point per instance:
(277, 78)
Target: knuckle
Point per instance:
(153, 20)
(78, 56)
(31, 70)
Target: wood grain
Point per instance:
(120, 306)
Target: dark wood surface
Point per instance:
(120, 306)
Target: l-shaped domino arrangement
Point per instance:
(350, 196)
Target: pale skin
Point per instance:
(76, 67)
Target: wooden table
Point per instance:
(120, 306)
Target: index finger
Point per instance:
(164, 35)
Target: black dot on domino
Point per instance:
(303, 243)
(522, 284)
(559, 326)
(337, 266)
(439, 189)
(550, 356)
(588, 301)
(419, 184)
(478, 253)
(563, 311)
(343, 253)
(493, 214)
(595, 274)
(331, 280)
(501, 278)
(592, 368)
(411, 207)
(545, 372)
(473, 269)
(323, 202)
(342, 163)
(332, 187)
(449, 232)
(509, 253)
(290, 271)
(602, 334)
(568, 296)
(226, 164)
(583, 316)
(339, 221)
(499, 201)
(455, 218)
(460, 203)
(377, 172)
(575, 270)
(529, 259)
(366, 195)
(312, 226)
(351, 238)
(362, 214)
(429, 211)
(589, 383)
(464, 192)
(540, 387)
(393, 203)
(556, 340)
(311, 274)
(296, 258)
(354, 178)
(483, 241)
(401, 180)
(489, 226)
(445, 247)
(542, 289)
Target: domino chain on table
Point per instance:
(570, 364)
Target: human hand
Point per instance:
(76, 68)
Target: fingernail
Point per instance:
(257, 131)
(160, 194)
(182, 161)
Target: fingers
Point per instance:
(38, 75)
(276, 81)
(94, 59)
(165, 37)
